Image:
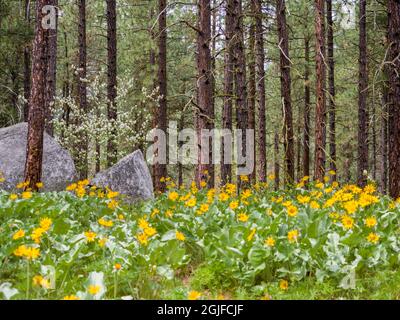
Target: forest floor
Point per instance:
(312, 241)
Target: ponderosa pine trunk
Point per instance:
(394, 97)
(240, 78)
(204, 118)
(276, 161)
(319, 159)
(285, 66)
(226, 167)
(36, 118)
(332, 93)
(160, 169)
(260, 94)
(251, 102)
(112, 80)
(51, 73)
(307, 104)
(384, 142)
(27, 65)
(362, 163)
(82, 88)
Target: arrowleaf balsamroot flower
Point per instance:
(194, 295)
(180, 236)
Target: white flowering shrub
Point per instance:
(134, 114)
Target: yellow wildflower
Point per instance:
(292, 211)
(180, 236)
(94, 289)
(347, 222)
(90, 236)
(370, 222)
(71, 297)
(234, 205)
(26, 195)
(243, 217)
(283, 284)
(13, 196)
(373, 237)
(270, 242)
(19, 234)
(251, 235)
(194, 295)
(293, 235)
(173, 196)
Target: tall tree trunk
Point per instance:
(160, 169)
(331, 80)
(36, 119)
(82, 90)
(27, 65)
(204, 89)
(240, 77)
(384, 142)
(374, 150)
(362, 163)
(319, 161)
(260, 86)
(276, 161)
(285, 62)
(298, 147)
(51, 73)
(251, 102)
(211, 169)
(226, 167)
(307, 103)
(66, 85)
(394, 97)
(112, 80)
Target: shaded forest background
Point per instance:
(106, 97)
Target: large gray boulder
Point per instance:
(130, 177)
(58, 166)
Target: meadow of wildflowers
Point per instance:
(193, 242)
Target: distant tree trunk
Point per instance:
(319, 161)
(82, 90)
(252, 90)
(213, 83)
(374, 151)
(66, 86)
(260, 85)
(180, 143)
(51, 73)
(362, 164)
(307, 103)
(112, 79)
(394, 97)
(204, 89)
(226, 167)
(384, 142)
(27, 65)
(160, 169)
(331, 80)
(240, 77)
(298, 147)
(276, 161)
(36, 119)
(286, 91)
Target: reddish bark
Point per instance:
(36, 118)
(362, 163)
(319, 161)
(288, 134)
(394, 97)
(112, 79)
